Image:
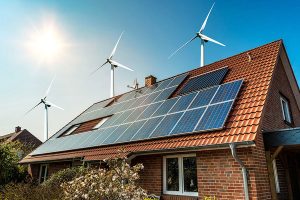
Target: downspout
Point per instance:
(244, 170)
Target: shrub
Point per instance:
(115, 183)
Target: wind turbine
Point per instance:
(113, 65)
(47, 105)
(203, 39)
(135, 85)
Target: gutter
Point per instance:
(244, 170)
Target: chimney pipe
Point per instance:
(17, 129)
(150, 80)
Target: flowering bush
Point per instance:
(116, 182)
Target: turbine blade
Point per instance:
(52, 104)
(93, 72)
(182, 46)
(49, 88)
(204, 37)
(33, 108)
(116, 45)
(205, 21)
(120, 65)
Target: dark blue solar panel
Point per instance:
(214, 117)
(166, 125)
(111, 120)
(162, 85)
(165, 94)
(150, 110)
(151, 97)
(98, 138)
(116, 134)
(183, 102)
(188, 121)
(203, 81)
(138, 102)
(147, 129)
(122, 118)
(165, 107)
(177, 80)
(131, 131)
(203, 97)
(135, 114)
(227, 91)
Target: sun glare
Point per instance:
(46, 43)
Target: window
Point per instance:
(71, 130)
(101, 122)
(276, 176)
(43, 173)
(180, 175)
(285, 110)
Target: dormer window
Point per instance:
(101, 122)
(286, 112)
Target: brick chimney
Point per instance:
(18, 129)
(150, 80)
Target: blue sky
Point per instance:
(153, 29)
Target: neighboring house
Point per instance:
(200, 134)
(22, 136)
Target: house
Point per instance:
(23, 136)
(202, 134)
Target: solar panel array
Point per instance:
(205, 80)
(199, 111)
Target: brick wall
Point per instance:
(151, 176)
(273, 118)
(55, 167)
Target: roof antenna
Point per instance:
(249, 56)
(135, 87)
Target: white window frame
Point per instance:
(181, 178)
(45, 173)
(285, 107)
(101, 122)
(277, 186)
(71, 130)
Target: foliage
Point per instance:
(10, 154)
(115, 183)
(48, 190)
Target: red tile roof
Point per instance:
(242, 124)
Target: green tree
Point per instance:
(10, 155)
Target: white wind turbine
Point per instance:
(113, 65)
(47, 105)
(203, 39)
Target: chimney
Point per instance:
(17, 129)
(150, 80)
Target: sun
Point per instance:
(46, 43)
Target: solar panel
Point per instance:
(99, 105)
(165, 94)
(166, 125)
(204, 97)
(204, 110)
(183, 103)
(227, 91)
(135, 114)
(116, 134)
(188, 121)
(150, 110)
(214, 117)
(147, 128)
(131, 131)
(100, 137)
(205, 80)
(177, 80)
(165, 107)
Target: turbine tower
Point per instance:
(203, 39)
(47, 105)
(113, 65)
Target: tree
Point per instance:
(10, 154)
(116, 182)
